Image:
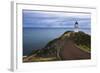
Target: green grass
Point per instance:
(84, 48)
(41, 59)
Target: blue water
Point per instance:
(37, 38)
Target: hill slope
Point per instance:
(69, 46)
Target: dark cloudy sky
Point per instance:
(46, 19)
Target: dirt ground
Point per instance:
(71, 52)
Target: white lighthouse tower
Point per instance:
(76, 27)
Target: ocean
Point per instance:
(37, 38)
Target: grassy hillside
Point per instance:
(51, 51)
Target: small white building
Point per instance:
(76, 27)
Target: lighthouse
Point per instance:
(76, 27)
